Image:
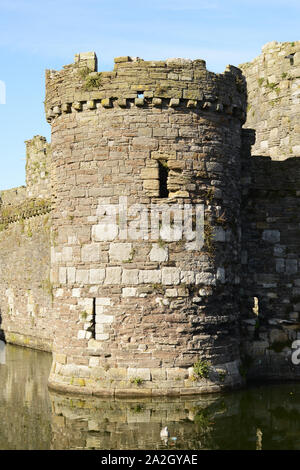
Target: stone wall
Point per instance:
(270, 293)
(273, 81)
(25, 287)
(13, 197)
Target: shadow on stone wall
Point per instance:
(270, 301)
(271, 236)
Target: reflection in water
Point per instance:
(265, 417)
(25, 410)
(262, 417)
(2, 352)
(97, 423)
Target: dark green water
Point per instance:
(262, 417)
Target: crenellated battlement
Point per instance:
(273, 110)
(135, 82)
(34, 199)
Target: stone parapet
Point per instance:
(273, 109)
(135, 82)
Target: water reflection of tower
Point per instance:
(98, 423)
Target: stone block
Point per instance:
(97, 276)
(90, 253)
(77, 105)
(122, 59)
(129, 292)
(106, 103)
(164, 155)
(219, 234)
(177, 373)
(76, 292)
(171, 292)
(134, 373)
(144, 143)
(205, 278)
(158, 253)
(291, 266)
(102, 336)
(170, 276)
(174, 102)
(122, 102)
(91, 104)
(67, 254)
(87, 305)
(99, 327)
(105, 231)
(101, 318)
(221, 275)
(103, 301)
(120, 251)
(149, 173)
(71, 275)
(150, 276)
(158, 374)
(151, 184)
(157, 102)
(139, 102)
(113, 275)
(271, 236)
(130, 276)
(81, 334)
(187, 277)
(62, 275)
(280, 265)
(82, 276)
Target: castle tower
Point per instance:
(142, 308)
(273, 110)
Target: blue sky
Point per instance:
(37, 35)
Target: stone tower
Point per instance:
(273, 84)
(154, 313)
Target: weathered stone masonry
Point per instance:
(134, 316)
(273, 81)
(25, 287)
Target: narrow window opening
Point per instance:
(291, 57)
(256, 313)
(93, 322)
(140, 95)
(163, 172)
(255, 306)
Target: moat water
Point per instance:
(32, 417)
